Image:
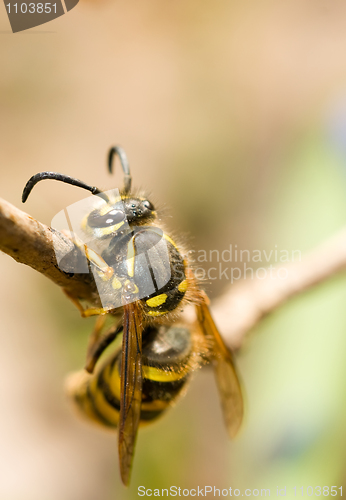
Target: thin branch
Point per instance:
(33, 243)
(244, 304)
(239, 309)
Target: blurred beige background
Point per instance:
(233, 116)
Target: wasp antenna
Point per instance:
(62, 178)
(117, 150)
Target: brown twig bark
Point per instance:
(240, 308)
(33, 243)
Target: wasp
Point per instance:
(145, 280)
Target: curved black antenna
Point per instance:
(117, 150)
(59, 177)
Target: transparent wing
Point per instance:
(131, 388)
(225, 372)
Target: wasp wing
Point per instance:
(225, 372)
(130, 389)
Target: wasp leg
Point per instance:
(75, 301)
(94, 311)
(98, 345)
(85, 313)
(103, 269)
(96, 333)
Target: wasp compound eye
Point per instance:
(109, 219)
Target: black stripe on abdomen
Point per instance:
(163, 391)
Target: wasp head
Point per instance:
(117, 215)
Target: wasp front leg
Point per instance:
(103, 270)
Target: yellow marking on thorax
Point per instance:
(157, 301)
(182, 287)
(116, 284)
(130, 258)
(168, 238)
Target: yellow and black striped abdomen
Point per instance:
(166, 360)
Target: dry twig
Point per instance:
(239, 309)
(33, 243)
